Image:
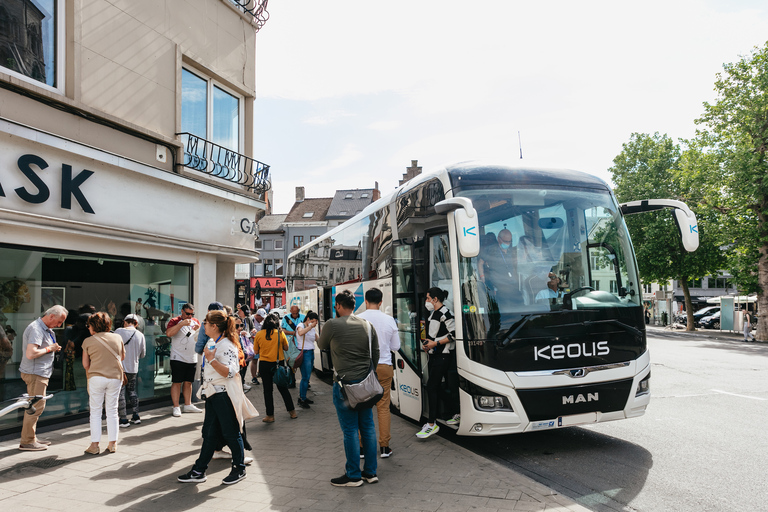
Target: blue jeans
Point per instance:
(350, 422)
(306, 372)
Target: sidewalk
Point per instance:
(294, 462)
(700, 333)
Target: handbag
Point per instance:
(281, 374)
(366, 393)
(297, 355)
(247, 345)
(119, 361)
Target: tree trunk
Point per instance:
(762, 277)
(688, 305)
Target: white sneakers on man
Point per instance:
(177, 412)
(190, 408)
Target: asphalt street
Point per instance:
(701, 445)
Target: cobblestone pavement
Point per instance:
(294, 462)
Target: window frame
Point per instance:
(210, 84)
(279, 242)
(300, 239)
(60, 65)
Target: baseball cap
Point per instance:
(215, 306)
(261, 312)
(130, 318)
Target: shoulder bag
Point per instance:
(295, 355)
(281, 374)
(119, 361)
(366, 393)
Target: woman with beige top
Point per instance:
(103, 353)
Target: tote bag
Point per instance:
(366, 393)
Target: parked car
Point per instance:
(281, 310)
(711, 321)
(704, 312)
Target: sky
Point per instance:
(348, 92)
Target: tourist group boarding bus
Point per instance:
(527, 360)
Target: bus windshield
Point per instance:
(546, 250)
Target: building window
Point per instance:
(257, 245)
(364, 195)
(646, 288)
(312, 237)
(298, 241)
(32, 42)
(614, 286)
(269, 268)
(343, 212)
(694, 283)
(595, 284)
(278, 245)
(279, 267)
(349, 195)
(267, 245)
(719, 282)
(308, 215)
(35, 280)
(210, 111)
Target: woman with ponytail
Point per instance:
(226, 407)
(270, 343)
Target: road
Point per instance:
(701, 445)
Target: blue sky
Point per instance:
(349, 92)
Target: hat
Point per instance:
(215, 306)
(261, 312)
(131, 318)
(245, 309)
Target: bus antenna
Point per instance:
(520, 145)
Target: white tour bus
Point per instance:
(532, 352)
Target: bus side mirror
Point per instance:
(467, 227)
(684, 217)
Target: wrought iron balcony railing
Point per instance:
(205, 156)
(256, 8)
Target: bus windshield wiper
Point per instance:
(633, 330)
(514, 330)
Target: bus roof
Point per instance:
(477, 173)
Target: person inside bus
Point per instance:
(552, 291)
(440, 344)
(497, 268)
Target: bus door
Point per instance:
(323, 361)
(409, 360)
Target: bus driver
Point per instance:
(497, 268)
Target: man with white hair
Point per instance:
(36, 368)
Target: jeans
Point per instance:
(351, 422)
(128, 394)
(101, 390)
(306, 372)
(265, 370)
(220, 422)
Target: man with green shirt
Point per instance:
(354, 349)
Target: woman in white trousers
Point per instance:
(103, 353)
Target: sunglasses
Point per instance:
(238, 325)
(190, 313)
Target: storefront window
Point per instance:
(32, 281)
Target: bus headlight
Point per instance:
(644, 386)
(491, 403)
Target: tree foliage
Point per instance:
(735, 127)
(654, 167)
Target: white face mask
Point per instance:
(430, 307)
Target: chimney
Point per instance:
(411, 172)
(376, 192)
(299, 194)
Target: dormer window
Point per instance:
(364, 195)
(343, 212)
(349, 195)
(308, 215)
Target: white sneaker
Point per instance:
(177, 411)
(190, 408)
(246, 387)
(454, 421)
(221, 454)
(248, 461)
(427, 430)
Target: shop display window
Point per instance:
(31, 281)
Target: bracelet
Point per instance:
(210, 361)
(47, 350)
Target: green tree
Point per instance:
(654, 167)
(735, 126)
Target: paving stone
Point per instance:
(294, 463)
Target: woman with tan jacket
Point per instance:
(103, 353)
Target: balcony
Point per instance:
(256, 8)
(219, 162)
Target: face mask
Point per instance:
(430, 307)
(504, 246)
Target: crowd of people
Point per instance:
(226, 344)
